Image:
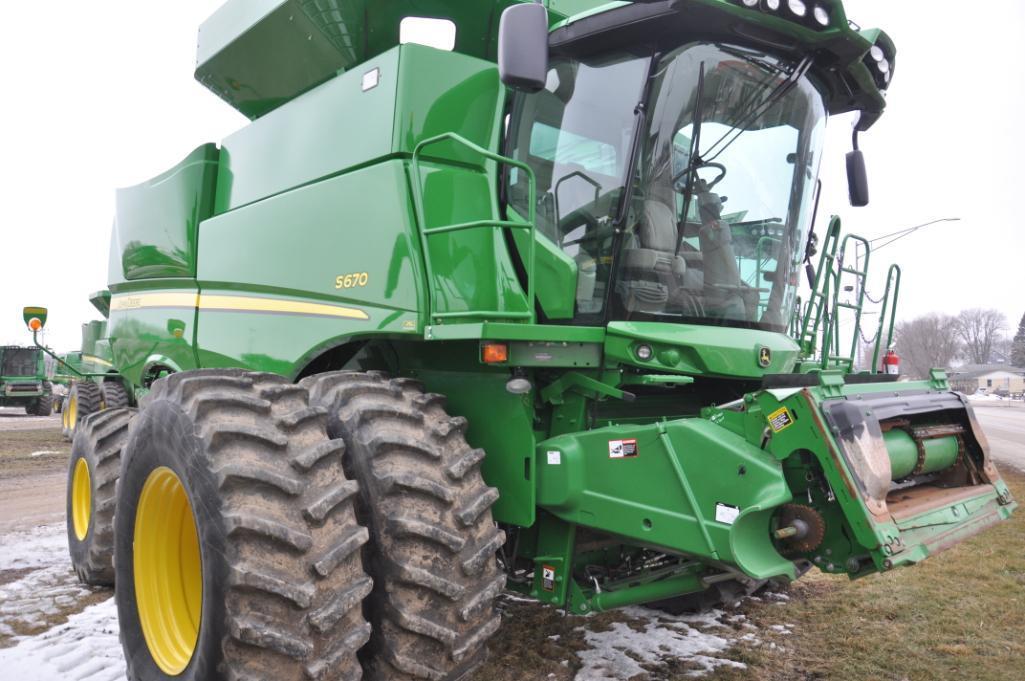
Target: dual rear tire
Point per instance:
(335, 529)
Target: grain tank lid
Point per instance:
(258, 54)
(101, 301)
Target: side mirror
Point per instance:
(857, 178)
(523, 47)
(35, 318)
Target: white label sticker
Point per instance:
(371, 78)
(622, 449)
(554, 458)
(724, 513)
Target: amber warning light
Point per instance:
(494, 353)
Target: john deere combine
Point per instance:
(516, 310)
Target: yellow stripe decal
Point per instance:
(247, 304)
(234, 304)
(137, 301)
(97, 360)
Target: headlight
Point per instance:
(797, 7)
(821, 16)
(749, 3)
(644, 352)
(877, 53)
(772, 4)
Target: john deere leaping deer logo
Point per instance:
(764, 357)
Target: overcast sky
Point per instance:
(100, 95)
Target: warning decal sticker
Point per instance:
(548, 578)
(726, 513)
(780, 419)
(622, 449)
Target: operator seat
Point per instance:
(654, 271)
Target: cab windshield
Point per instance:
(707, 224)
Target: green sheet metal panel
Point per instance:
(155, 228)
(420, 92)
(300, 248)
(258, 54)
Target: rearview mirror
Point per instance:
(857, 178)
(523, 47)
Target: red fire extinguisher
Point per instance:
(891, 362)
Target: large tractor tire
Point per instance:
(92, 494)
(42, 405)
(237, 551)
(433, 542)
(85, 398)
(114, 395)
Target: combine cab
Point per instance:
(23, 380)
(515, 309)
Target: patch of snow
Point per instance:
(86, 648)
(618, 654)
(39, 547)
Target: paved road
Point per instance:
(1005, 430)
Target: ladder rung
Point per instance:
(849, 306)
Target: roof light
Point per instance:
(821, 15)
(772, 4)
(877, 53)
(798, 7)
(884, 66)
(749, 3)
(34, 324)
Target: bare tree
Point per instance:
(1018, 345)
(925, 343)
(978, 329)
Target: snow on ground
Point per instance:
(43, 591)
(86, 648)
(656, 638)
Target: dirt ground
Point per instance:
(33, 461)
(957, 616)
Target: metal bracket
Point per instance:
(832, 383)
(938, 379)
(585, 385)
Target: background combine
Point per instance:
(518, 309)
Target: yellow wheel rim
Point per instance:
(81, 499)
(168, 571)
(71, 413)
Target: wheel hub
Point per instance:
(81, 499)
(168, 571)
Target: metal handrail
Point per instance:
(425, 232)
(889, 306)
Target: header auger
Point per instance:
(517, 313)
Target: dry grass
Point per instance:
(959, 615)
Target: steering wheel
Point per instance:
(594, 231)
(708, 185)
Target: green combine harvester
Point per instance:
(517, 309)
(23, 379)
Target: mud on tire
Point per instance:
(42, 405)
(85, 398)
(114, 395)
(282, 578)
(98, 443)
(433, 541)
